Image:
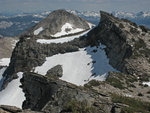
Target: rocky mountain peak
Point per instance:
(59, 23)
(107, 16)
(126, 43)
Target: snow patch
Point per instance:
(66, 29)
(128, 95)
(1, 72)
(91, 25)
(36, 32)
(81, 66)
(146, 83)
(60, 40)
(4, 61)
(35, 22)
(13, 43)
(13, 95)
(1, 77)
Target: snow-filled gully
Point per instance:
(81, 66)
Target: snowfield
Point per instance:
(13, 94)
(146, 83)
(66, 29)
(36, 32)
(64, 39)
(60, 40)
(4, 61)
(81, 66)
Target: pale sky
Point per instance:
(81, 5)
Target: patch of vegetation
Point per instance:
(140, 49)
(129, 80)
(148, 92)
(146, 52)
(144, 78)
(121, 25)
(133, 40)
(131, 23)
(115, 82)
(132, 79)
(92, 83)
(148, 60)
(140, 94)
(75, 106)
(51, 76)
(131, 85)
(145, 85)
(144, 29)
(143, 34)
(133, 104)
(140, 44)
(134, 30)
(121, 80)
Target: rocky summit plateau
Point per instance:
(65, 64)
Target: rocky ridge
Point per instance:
(125, 45)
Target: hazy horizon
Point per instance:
(30, 6)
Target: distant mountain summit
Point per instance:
(59, 23)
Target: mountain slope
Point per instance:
(30, 53)
(47, 65)
(60, 23)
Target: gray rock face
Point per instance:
(56, 71)
(56, 96)
(54, 22)
(125, 43)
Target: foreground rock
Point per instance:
(56, 96)
(13, 109)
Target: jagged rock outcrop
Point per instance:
(56, 71)
(52, 95)
(127, 45)
(53, 23)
